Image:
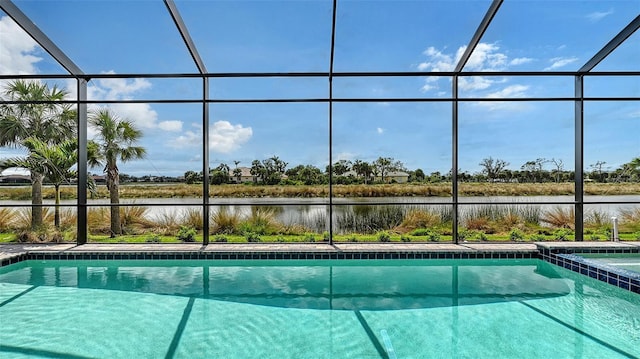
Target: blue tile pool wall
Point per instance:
(572, 260)
(203, 255)
(14, 259)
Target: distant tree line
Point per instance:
(274, 170)
(543, 170)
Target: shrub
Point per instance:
(168, 221)
(22, 219)
(186, 234)
(537, 237)
(252, 237)
(420, 232)
(433, 236)
(352, 239)
(516, 235)
(153, 239)
(419, 218)
(370, 219)
(607, 232)
(309, 237)
(630, 219)
(220, 238)
(7, 218)
(326, 236)
(464, 234)
(482, 236)
(561, 234)
(384, 236)
(261, 221)
(133, 219)
(192, 217)
(405, 238)
(597, 219)
(224, 221)
(560, 217)
(43, 234)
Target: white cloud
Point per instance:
(115, 89)
(512, 91)
(225, 137)
(141, 114)
(18, 51)
(172, 126)
(474, 83)
(558, 62)
(188, 139)
(428, 87)
(438, 61)
(509, 92)
(635, 114)
(380, 130)
(485, 57)
(599, 15)
(520, 61)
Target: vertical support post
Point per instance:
(333, 42)
(81, 218)
(205, 161)
(454, 159)
(330, 161)
(579, 158)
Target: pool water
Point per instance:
(628, 261)
(312, 309)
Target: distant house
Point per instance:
(246, 175)
(100, 179)
(395, 176)
(15, 179)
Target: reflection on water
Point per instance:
(314, 285)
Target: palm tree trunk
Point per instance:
(56, 220)
(36, 200)
(113, 183)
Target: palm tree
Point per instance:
(56, 162)
(237, 172)
(38, 114)
(116, 138)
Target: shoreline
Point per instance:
(443, 190)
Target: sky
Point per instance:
(123, 37)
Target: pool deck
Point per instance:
(8, 251)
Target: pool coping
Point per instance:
(13, 253)
(563, 254)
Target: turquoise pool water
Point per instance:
(628, 261)
(312, 309)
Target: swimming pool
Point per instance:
(628, 261)
(313, 309)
